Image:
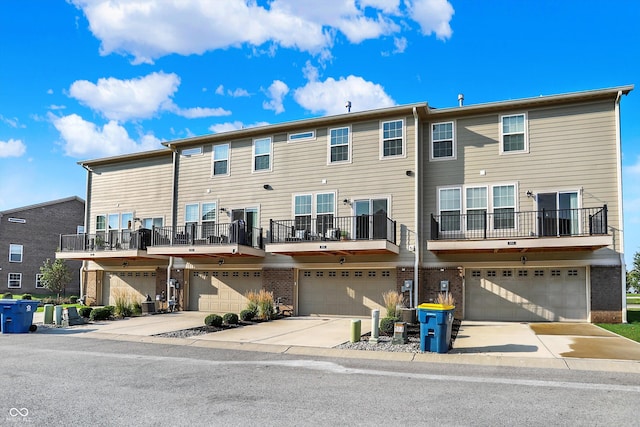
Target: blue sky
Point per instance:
(84, 79)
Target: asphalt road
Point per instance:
(64, 380)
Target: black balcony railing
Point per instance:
(205, 234)
(507, 224)
(106, 241)
(329, 227)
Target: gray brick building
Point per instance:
(31, 234)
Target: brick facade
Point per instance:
(606, 294)
(429, 287)
(38, 229)
(280, 282)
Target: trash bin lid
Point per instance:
(429, 306)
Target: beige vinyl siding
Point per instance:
(570, 148)
(142, 187)
(300, 168)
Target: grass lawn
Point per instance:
(630, 330)
(633, 299)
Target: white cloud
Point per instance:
(83, 139)
(220, 90)
(237, 93)
(329, 97)
(276, 93)
(231, 126)
(12, 122)
(12, 148)
(148, 29)
(124, 100)
(198, 112)
(433, 16)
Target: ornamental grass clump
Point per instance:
(123, 304)
(392, 300)
(446, 299)
(265, 305)
(253, 299)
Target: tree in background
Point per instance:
(55, 276)
(633, 276)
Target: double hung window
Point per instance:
(513, 133)
(209, 219)
(476, 207)
(339, 145)
(450, 209)
(314, 214)
(221, 159)
(504, 207)
(393, 138)
(14, 280)
(442, 141)
(15, 253)
(262, 154)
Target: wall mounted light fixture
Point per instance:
(221, 261)
(267, 187)
(523, 260)
(342, 260)
(346, 202)
(529, 193)
(223, 209)
(409, 173)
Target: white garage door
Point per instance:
(132, 284)
(545, 294)
(344, 292)
(222, 291)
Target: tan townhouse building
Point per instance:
(513, 207)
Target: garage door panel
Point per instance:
(344, 292)
(134, 285)
(557, 294)
(221, 292)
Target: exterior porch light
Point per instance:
(267, 187)
(221, 261)
(342, 260)
(529, 193)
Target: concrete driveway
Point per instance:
(498, 339)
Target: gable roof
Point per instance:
(40, 205)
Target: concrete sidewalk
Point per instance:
(552, 345)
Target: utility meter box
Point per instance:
(444, 285)
(407, 285)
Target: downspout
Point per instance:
(416, 208)
(85, 264)
(623, 266)
(173, 218)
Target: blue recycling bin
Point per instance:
(16, 316)
(436, 324)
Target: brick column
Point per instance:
(606, 294)
(280, 282)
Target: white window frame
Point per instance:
(16, 249)
(197, 213)
(454, 150)
(309, 135)
(460, 210)
(17, 220)
(525, 132)
(10, 280)
(39, 284)
(190, 152)
(467, 208)
(515, 205)
(403, 130)
(254, 155)
(214, 160)
(349, 146)
(104, 228)
(153, 221)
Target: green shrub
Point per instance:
(85, 311)
(111, 309)
(387, 325)
(137, 308)
(247, 315)
(7, 295)
(26, 296)
(103, 313)
(73, 299)
(213, 320)
(230, 319)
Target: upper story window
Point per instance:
(262, 154)
(302, 136)
(191, 213)
(17, 220)
(476, 207)
(513, 134)
(302, 211)
(221, 159)
(393, 139)
(339, 145)
(443, 144)
(188, 152)
(152, 222)
(101, 222)
(450, 209)
(126, 221)
(114, 221)
(15, 253)
(504, 206)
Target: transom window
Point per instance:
(513, 133)
(15, 253)
(302, 136)
(15, 280)
(221, 159)
(262, 154)
(442, 141)
(393, 138)
(188, 152)
(339, 143)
